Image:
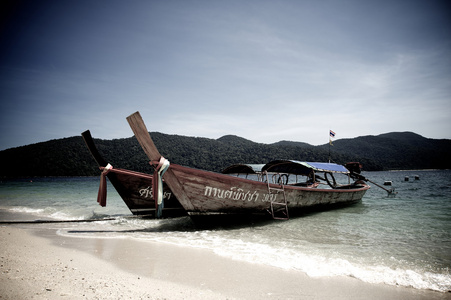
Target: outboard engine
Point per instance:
(355, 168)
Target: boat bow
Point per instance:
(142, 135)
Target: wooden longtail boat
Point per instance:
(135, 188)
(204, 192)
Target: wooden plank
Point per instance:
(142, 135)
(93, 149)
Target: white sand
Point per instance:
(39, 264)
(31, 267)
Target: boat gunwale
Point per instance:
(206, 174)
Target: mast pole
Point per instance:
(329, 150)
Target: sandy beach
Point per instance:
(37, 263)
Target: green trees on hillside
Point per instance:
(70, 156)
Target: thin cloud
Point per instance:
(262, 70)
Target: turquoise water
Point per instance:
(405, 240)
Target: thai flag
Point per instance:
(332, 134)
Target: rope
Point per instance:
(157, 185)
(56, 221)
(101, 196)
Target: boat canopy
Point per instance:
(286, 166)
(302, 167)
(243, 169)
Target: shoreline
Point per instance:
(37, 262)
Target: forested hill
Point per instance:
(70, 156)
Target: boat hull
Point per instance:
(135, 189)
(206, 192)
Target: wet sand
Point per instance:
(38, 263)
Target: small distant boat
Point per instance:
(276, 188)
(135, 188)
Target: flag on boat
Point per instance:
(331, 133)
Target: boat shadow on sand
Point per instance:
(195, 223)
(187, 224)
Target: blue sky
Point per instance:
(263, 70)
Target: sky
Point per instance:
(263, 70)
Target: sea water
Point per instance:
(403, 240)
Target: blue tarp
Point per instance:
(325, 167)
